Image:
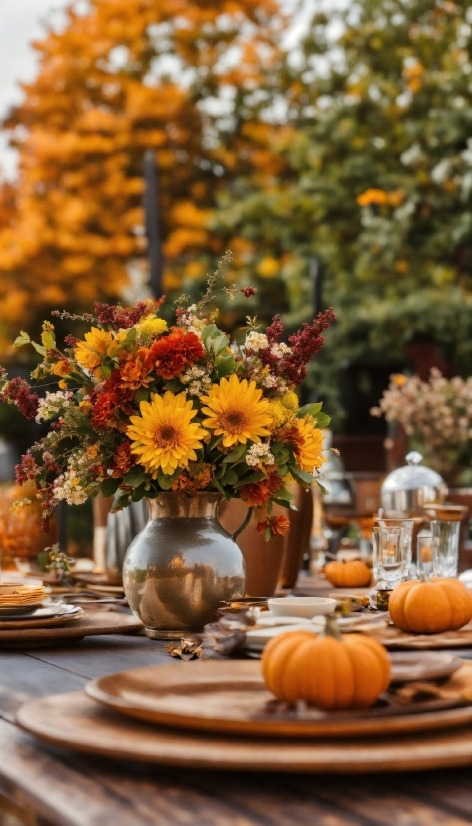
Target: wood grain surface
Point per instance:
(67, 789)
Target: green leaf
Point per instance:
(322, 489)
(130, 338)
(165, 481)
(135, 477)
(220, 343)
(218, 486)
(209, 333)
(174, 385)
(140, 492)
(282, 456)
(275, 448)
(224, 366)
(39, 348)
(284, 495)
(230, 478)
(122, 500)
(322, 420)
(302, 476)
(250, 480)
(22, 339)
(48, 339)
(106, 369)
(309, 410)
(214, 442)
(236, 455)
(281, 502)
(267, 535)
(109, 487)
(142, 395)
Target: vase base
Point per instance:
(162, 634)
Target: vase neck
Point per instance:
(178, 505)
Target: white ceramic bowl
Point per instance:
(306, 607)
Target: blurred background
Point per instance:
(327, 145)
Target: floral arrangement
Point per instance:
(436, 416)
(142, 408)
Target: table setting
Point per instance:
(360, 666)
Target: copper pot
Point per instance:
(298, 537)
(263, 559)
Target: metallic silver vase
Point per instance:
(182, 565)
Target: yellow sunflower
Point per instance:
(236, 410)
(90, 352)
(309, 455)
(163, 436)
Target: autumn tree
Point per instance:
(182, 77)
(379, 186)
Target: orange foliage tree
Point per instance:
(183, 77)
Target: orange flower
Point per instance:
(372, 196)
(123, 461)
(257, 493)
(275, 525)
(61, 368)
(173, 353)
(136, 372)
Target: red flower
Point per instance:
(104, 409)
(175, 352)
(248, 292)
(119, 318)
(19, 392)
(275, 525)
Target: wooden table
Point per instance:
(45, 785)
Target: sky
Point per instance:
(20, 24)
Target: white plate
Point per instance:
(19, 610)
(259, 637)
(47, 610)
(302, 607)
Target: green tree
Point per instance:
(378, 181)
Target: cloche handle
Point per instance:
(413, 458)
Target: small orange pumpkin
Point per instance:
(353, 574)
(430, 607)
(326, 670)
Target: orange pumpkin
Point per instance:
(353, 574)
(430, 607)
(327, 671)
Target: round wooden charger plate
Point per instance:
(231, 698)
(92, 624)
(392, 637)
(75, 722)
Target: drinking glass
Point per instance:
(424, 554)
(392, 548)
(407, 525)
(445, 547)
(375, 554)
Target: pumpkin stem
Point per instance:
(331, 628)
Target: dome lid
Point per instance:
(410, 487)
